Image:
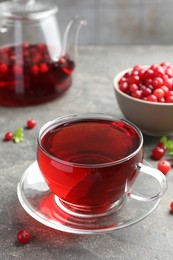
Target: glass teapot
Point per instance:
(35, 66)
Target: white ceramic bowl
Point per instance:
(152, 118)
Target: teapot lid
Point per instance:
(27, 9)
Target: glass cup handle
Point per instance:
(158, 175)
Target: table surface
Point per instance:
(92, 92)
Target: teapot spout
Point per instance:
(70, 39)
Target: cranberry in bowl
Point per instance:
(145, 97)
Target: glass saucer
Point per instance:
(39, 202)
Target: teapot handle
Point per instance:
(70, 39)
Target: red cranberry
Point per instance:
(124, 87)
(152, 98)
(162, 146)
(165, 64)
(168, 83)
(159, 93)
(17, 70)
(3, 69)
(31, 123)
(37, 57)
(25, 45)
(35, 70)
(8, 136)
(148, 74)
(165, 89)
(123, 79)
(161, 100)
(23, 236)
(147, 92)
(44, 68)
(126, 75)
(133, 87)
(135, 72)
(157, 82)
(169, 72)
(169, 99)
(170, 93)
(158, 152)
(171, 206)
(136, 94)
(159, 72)
(153, 66)
(164, 166)
(137, 67)
(133, 79)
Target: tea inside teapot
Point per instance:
(35, 67)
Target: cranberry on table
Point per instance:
(162, 146)
(31, 123)
(158, 152)
(171, 206)
(164, 166)
(23, 236)
(8, 136)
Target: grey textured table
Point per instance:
(91, 92)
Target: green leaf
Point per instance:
(168, 143)
(163, 140)
(18, 135)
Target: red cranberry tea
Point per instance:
(29, 76)
(77, 160)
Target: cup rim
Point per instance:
(75, 117)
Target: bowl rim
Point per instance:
(116, 87)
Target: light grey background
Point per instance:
(113, 22)
(121, 21)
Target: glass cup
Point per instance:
(90, 162)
